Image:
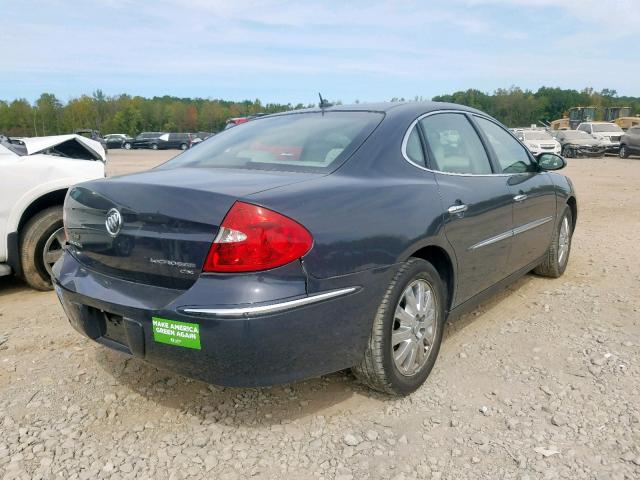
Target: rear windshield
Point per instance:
(309, 142)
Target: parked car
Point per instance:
(93, 135)
(630, 142)
(182, 141)
(576, 143)
(232, 122)
(119, 140)
(35, 174)
(304, 243)
(606, 132)
(538, 141)
(199, 137)
(147, 140)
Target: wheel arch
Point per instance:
(36, 205)
(443, 263)
(50, 199)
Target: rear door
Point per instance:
(477, 203)
(633, 139)
(533, 195)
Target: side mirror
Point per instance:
(551, 161)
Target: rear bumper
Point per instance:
(240, 345)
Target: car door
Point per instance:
(633, 136)
(477, 203)
(533, 195)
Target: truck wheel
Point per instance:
(41, 241)
(407, 331)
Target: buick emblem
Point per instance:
(113, 222)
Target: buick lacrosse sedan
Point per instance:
(307, 242)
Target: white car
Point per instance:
(607, 132)
(35, 174)
(538, 141)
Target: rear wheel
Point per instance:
(183, 146)
(41, 242)
(567, 152)
(127, 146)
(154, 146)
(407, 331)
(557, 256)
(624, 152)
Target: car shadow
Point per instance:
(457, 325)
(10, 284)
(326, 395)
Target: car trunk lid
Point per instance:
(161, 223)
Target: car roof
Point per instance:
(404, 107)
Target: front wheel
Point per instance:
(127, 146)
(154, 146)
(41, 242)
(407, 331)
(567, 152)
(624, 153)
(183, 146)
(557, 257)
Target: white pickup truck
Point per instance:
(35, 174)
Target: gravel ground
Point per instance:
(543, 381)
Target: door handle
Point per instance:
(455, 209)
(520, 198)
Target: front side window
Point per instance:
(455, 145)
(512, 157)
(308, 142)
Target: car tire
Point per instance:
(566, 152)
(43, 232)
(127, 146)
(623, 152)
(379, 368)
(154, 146)
(557, 257)
(183, 146)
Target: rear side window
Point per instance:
(315, 142)
(414, 148)
(511, 155)
(455, 145)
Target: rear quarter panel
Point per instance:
(359, 223)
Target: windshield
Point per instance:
(537, 136)
(575, 134)
(308, 142)
(606, 127)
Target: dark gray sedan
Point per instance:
(304, 243)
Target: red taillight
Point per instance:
(253, 238)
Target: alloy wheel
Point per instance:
(414, 327)
(53, 250)
(564, 240)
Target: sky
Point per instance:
(288, 51)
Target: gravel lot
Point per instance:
(543, 381)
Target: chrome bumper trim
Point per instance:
(266, 309)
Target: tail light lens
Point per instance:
(253, 238)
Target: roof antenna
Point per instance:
(323, 103)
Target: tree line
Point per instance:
(133, 114)
(520, 108)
